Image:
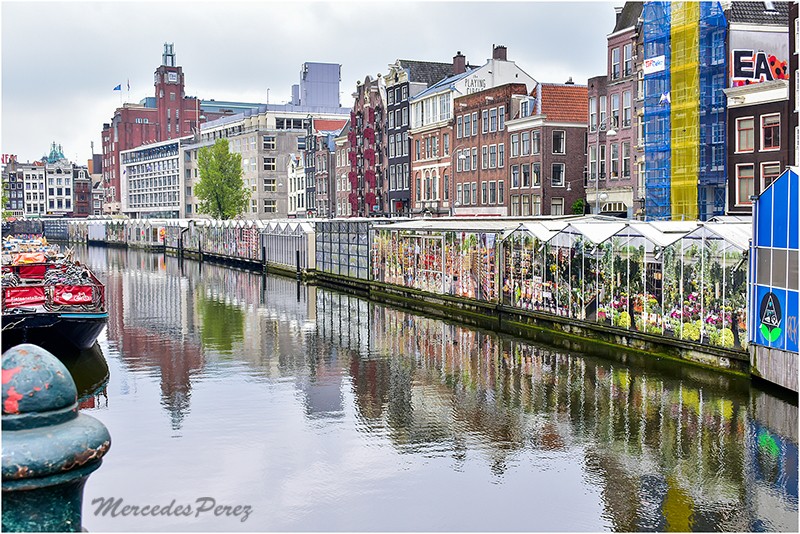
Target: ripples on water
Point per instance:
(325, 412)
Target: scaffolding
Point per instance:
(684, 112)
(657, 111)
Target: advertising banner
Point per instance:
(757, 57)
(17, 297)
(654, 64)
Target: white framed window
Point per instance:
(559, 141)
(557, 176)
(626, 108)
(467, 125)
(269, 164)
(501, 192)
(602, 101)
(744, 184)
(769, 171)
(484, 197)
(459, 161)
(501, 125)
(475, 157)
(592, 114)
(493, 120)
(474, 192)
(745, 134)
(459, 194)
(614, 63)
(459, 127)
(771, 132)
(626, 159)
(627, 57)
(615, 110)
(592, 163)
(514, 145)
(614, 161)
(484, 157)
(526, 143)
(526, 175)
(501, 155)
(492, 156)
(493, 192)
(485, 122)
(515, 177)
(474, 123)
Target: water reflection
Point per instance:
(633, 448)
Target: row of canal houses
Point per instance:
(710, 289)
(686, 137)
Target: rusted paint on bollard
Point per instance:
(49, 449)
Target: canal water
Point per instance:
(323, 411)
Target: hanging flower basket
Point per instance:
(369, 134)
(369, 155)
(369, 199)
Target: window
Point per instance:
(602, 162)
(745, 141)
(484, 157)
(602, 124)
(526, 205)
(501, 155)
(459, 194)
(526, 143)
(459, 161)
(459, 127)
(626, 159)
(446, 184)
(467, 127)
(492, 192)
(771, 132)
(466, 160)
(269, 142)
(592, 114)
(398, 141)
(475, 157)
(615, 110)
(391, 146)
(485, 120)
(614, 160)
(390, 96)
(744, 184)
(405, 117)
(557, 178)
(270, 205)
(474, 123)
(419, 187)
(501, 192)
(502, 121)
(626, 108)
(474, 192)
(526, 175)
(417, 148)
(627, 57)
(405, 92)
(592, 163)
(492, 156)
(614, 63)
(483, 193)
(514, 176)
(446, 144)
(514, 145)
(557, 206)
(269, 164)
(559, 142)
(524, 108)
(391, 120)
(270, 184)
(493, 120)
(406, 177)
(769, 171)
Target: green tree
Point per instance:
(4, 201)
(578, 207)
(221, 190)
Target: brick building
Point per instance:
(758, 147)
(432, 124)
(366, 153)
(405, 80)
(343, 187)
(479, 160)
(547, 149)
(612, 138)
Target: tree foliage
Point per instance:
(221, 191)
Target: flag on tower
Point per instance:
(129, 84)
(118, 88)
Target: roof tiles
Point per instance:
(565, 102)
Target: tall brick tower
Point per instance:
(176, 115)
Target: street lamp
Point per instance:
(611, 132)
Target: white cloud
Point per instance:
(61, 60)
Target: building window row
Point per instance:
(770, 133)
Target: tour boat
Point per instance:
(49, 300)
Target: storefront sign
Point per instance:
(474, 85)
(771, 317)
(654, 64)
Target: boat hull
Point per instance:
(52, 330)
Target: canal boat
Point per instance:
(51, 300)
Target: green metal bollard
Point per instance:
(49, 450)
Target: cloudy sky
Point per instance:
(61, 60)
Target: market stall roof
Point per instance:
(656, 234)
(541, 230)
(288, 226)
(736, 234)
(470, 224)
(595, 231)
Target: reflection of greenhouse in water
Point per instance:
(684, 280)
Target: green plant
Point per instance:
(726, 338)
(691, 331)
(579, 207)
(623, 320)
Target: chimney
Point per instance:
(618, 11)
(569, 82)
(459, 63)
(500, 52)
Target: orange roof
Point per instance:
(329, 125)
(565, 103)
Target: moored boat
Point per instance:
(50, 300)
